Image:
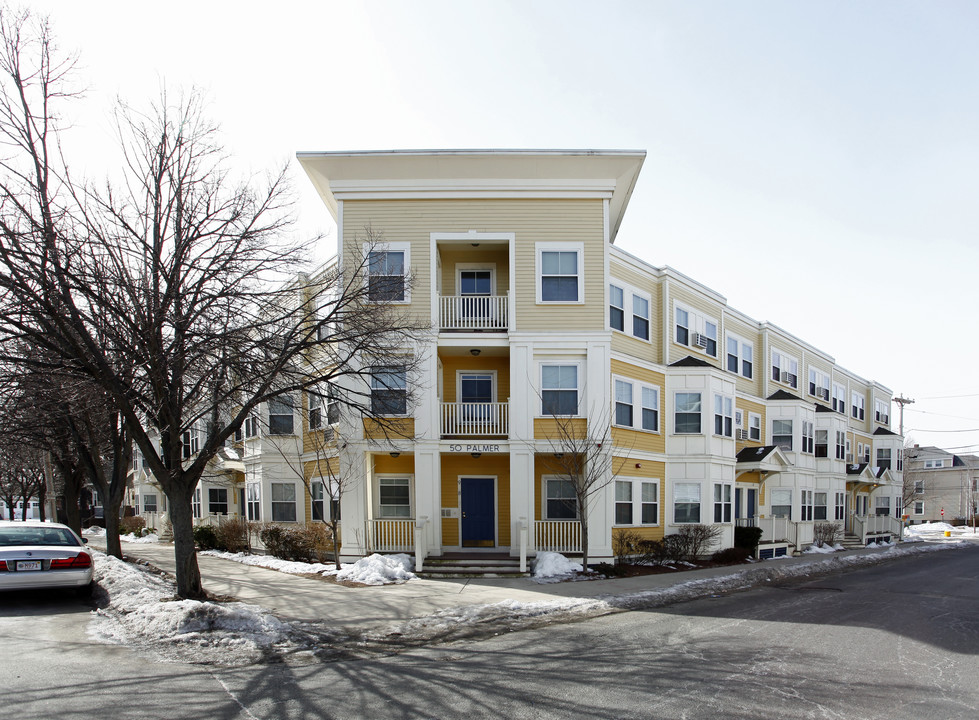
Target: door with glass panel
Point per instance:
(475, 289)
(476, 400)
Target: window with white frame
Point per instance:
(640, 317)
(740, 356)
(857, 406)
(839, 506)
(722, 503)
(919, 507)
(559, 389)
(616, 308)
(560, 501)
(627, 394)
(686, 413)
(389, 390)
(281, 415)
(724, 415)
(394, 495)
(849, 454)
(806, 509)
(195, 503)
(283, 500)
(754, 427)
(248, 429)
(866, 453)
(217, 501)
(900, 460)
(840, 445)
(883, 457)
(559, 273)
(819, 384)
(686, 502)
(929, 464)
(253, 501)
(386, 274)
(782, 434)
(149, 502)
(323, 407)
(785, 369)
(782, 503)
(919, 487)
(807, 437)
(882, 411)
(317, 494)
(190, 442)
(819, 511)
(839, 398)
(695, 330)
(822, 443)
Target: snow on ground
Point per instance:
(94, 531)
(554, 567)
(148, 538)
(932, 531)
(372, 570)
(822, 550)
(142, 611)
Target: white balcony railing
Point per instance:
(475, 419)
(391, 535)
(471, 312)
(557, 536)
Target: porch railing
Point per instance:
(557, 535)
(475, 419)
(391, 535)
(469, 312)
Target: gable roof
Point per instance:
(691, 361)
(782, 395)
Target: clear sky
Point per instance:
(814, 162)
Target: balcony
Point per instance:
(466, 420)
(473, 313)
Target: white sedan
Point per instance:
(42, 555)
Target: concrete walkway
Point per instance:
(293, 597)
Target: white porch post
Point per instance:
(428, 497)
(356, 465)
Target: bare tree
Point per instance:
(581, 457)
(171, 290)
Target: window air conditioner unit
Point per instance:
(742, 434)
(786, 375)
(700, 340)
(849, 458)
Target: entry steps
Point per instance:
(471, 565)
(851, 542)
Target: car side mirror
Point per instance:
(85, 541)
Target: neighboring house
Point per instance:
(539, 321)
(941, 485)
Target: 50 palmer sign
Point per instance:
(474, 448)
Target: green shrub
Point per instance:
(132, 524)
(747, 538)
(205, 537)
(731, 555)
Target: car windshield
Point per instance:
(10, 536)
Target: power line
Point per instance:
(941, 431)
(957, 417)
(949, 397)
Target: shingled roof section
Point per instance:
(755, 454)
(883, 431)
(823, 408)
(691, 361)
(855, 469)
(782, 395)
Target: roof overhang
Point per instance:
(767, 460)
(419, 174)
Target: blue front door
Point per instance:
(478, 512)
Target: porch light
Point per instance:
(395, 454)
(476, 456)
(475, 352)
(475, 244)
(558, 456)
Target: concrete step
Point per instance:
(459, 565)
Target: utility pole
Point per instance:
(902, 401)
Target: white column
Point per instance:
(521, 497)
(428, 502)
(356, 469)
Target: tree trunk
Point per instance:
(42, 497)
(584, 542)
(185, 553)
(113, 546)
(336, 543)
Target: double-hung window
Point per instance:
(782, 503)
(819, 506)
(627, 395)
(785, 369)
(754, 427)
(195, 503)
(822, 443)
(839, 398)
(623, 502)
(722, 503)
(280, 415)
(819, 384)
(919, 507)
(650, 408)
(724, 415)
(840, 445)
(695, 330)
(190, 442)
(686, 502)
(559, 389)
(807, 506)
(919, 487)
(881, 411)
(740, 354)
(248, 429)
(807, 437)
(149, 502)
(883, 457)
(782, 434)
(253, 501)
(559, 273)
(616, 308)
(839, 506)
(394, 495)
(317, 493)
(283, 497)
(389, 390)
(623, 403)
(640, 317)
(386, 275)
(560, 501)
(857, 406)
(217, 501)
(687, 413)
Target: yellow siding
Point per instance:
(451, 257)
(384, 464)
(547, 429)
(751, 406)
(454, 466)
(395, 428)
(759, 367)
(704, 307)
(531, 221)
(822, 366)
(625, 438)
(625, 467)
(453, 364)
(624, 342)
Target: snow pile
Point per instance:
(929, 528)
(551, 565)
(94, 531)
(142, 611)
(376, 570)
(148, 538)
(824, 550)
(272, 563)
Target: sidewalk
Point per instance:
(292, 597)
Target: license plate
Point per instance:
(23, 565)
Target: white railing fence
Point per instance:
(469, 312)
(475, 419)
(391, 535)
(557, 536)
